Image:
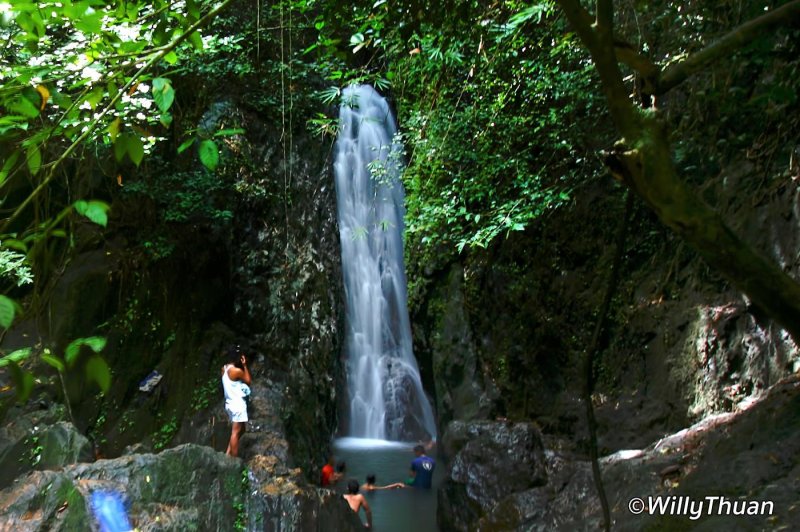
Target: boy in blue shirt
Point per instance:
(421, 469)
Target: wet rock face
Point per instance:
(489, 462)
(462, 392)
(188, 487)
(288, 284)
(279, 499)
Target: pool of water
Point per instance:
(396, 510)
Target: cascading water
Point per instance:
(385, 392)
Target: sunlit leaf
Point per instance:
(136, 149)
(185, 144)
(95, 343)
(196, 40)
(8, 165)
(113, 130)
(94, 210)
(15, 356)
(54, 362)
(163, 94)
(209, 155)
(23, 106)
(97, 370)
(34, 159)
(130, 144)
(7, 311)
(90, 23)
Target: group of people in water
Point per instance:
(420, 476)
(236, 381)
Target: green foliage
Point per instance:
(185, 196)
(239, 502)
(209, 154)
(23, 380)
(77, 75)
(487, 100)
(204, 395)
(35, 449)
(493, 147)
(7, 311)
(165, 432)
(95, 343)
(80, 81)
(94, 210)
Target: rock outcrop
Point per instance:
(745, 461)
(188, 487)
(38, 440)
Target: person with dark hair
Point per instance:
(236, 386)
(357, 501)
(421, 469)
(369, 485)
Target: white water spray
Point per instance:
(386, 396)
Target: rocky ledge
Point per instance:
(745, 462)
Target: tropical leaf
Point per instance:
(34, 159)
(163, 93)
(95, 343)
(54, 362)
(15, 357)
(7, 311)
(97, 370)
(94, 210)
(209, 155)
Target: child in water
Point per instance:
(370, 484)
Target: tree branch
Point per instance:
(627, 55)
(581, 20)
(600, 43)
(677, 73)
(605, 15)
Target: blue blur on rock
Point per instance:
(109, 511)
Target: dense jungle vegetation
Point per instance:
(112, 124)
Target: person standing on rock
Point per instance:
(236, 386)
(421, 469)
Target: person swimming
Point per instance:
(357, 501)
(369, 485)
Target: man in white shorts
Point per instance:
(236, 386)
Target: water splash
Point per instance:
(109, 510)
(387, 400)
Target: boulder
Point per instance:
(40, 440)
(490, 462)
(745, 457)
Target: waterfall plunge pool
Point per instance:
(396, 510)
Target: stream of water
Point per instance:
(386, 398)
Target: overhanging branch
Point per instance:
(677, 73)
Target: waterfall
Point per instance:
(386, 398)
